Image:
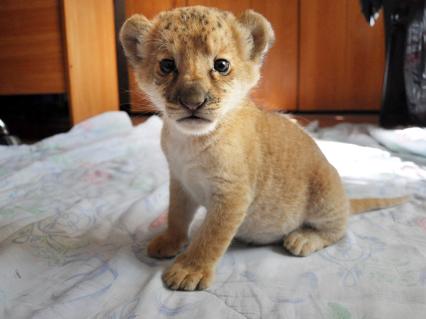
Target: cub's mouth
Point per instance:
(193, 118)
(195, 124)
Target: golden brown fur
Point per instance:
(260, 176)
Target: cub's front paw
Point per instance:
(164, 246)
(186, 275)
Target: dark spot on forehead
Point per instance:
(199, 43)
(219, 25)
(168, 26)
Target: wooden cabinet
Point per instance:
(60, 46)
(325, 57)
(278, 86)
(31, 55)
(341, 61)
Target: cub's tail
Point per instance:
(362, 205)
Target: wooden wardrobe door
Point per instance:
(341, 57)
(278, 85)
(277, 89)
(91, 57)
(236, 6)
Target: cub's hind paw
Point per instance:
(303, 242)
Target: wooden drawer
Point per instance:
(31, 55)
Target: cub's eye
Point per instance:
(221, 65)
(167, 66)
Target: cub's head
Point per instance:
(196, 64)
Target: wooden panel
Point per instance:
(278, 86)
(235, 6)
(322, 56)
(150, 8)
(365, 60)
(91, 55)
(341, 57)
(31, 57)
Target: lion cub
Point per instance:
(260, 176)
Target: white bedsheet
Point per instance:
(77, 209)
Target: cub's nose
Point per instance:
(192, 98)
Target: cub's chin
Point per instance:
(194, 125)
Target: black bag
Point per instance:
(404, 93)
(415, 64)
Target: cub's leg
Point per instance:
(326, 218)
(317, 233)
(194, 269)
(181, 212)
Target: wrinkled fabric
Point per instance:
(77, 211)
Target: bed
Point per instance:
(77, 211)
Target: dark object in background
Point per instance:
(370, 10)
(415, 63)
(34, 117)
(5, 137)
(404, 91)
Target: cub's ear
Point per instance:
(132, 35)
(261, 32)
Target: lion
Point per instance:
(260, 176)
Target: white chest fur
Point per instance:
(186, 165)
